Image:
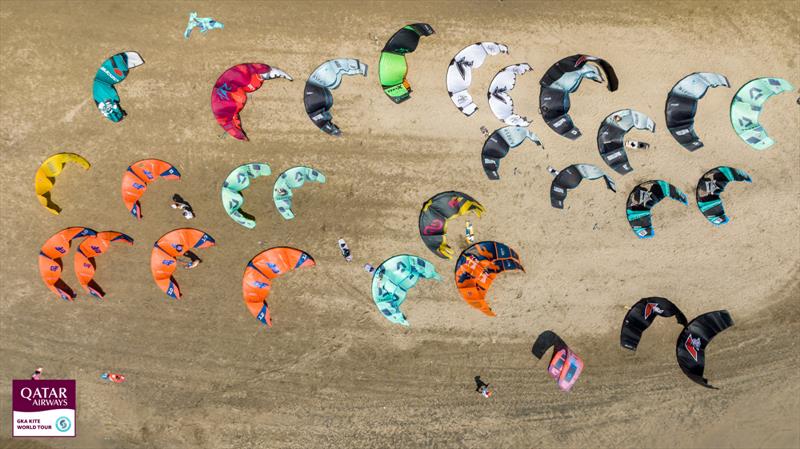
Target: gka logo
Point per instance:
(692, 345)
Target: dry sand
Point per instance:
(332, 372)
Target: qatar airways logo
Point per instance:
(45, 396)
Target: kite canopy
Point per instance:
(459, 72)
(500, 101)
(50, 255)
(693, 340)
(746, 108)
(393, 67)
(571, 177)
(476, 268)
(289, 180)
(682, 103)
(709, 188)
(642, 314)
(91, 247)
(435, 214)
(163, 257)
(203, 23)
(643, 198)
(318, 98)
(564, 78)
(138, 176)
(112, 71)
(262, 269)
(565, 366)
(229, 94)
(237, 181)
(611, 137)
(499, 143)
(46, 177)
(392, 280)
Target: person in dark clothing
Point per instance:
(482, 387)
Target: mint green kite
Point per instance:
(746, 108)
(392, 280)
(289, 180)
(238, 180)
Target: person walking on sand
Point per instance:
(37, 375)
(482, 387)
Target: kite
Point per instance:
(229, 94)
(499, 143)
(112, 71)
(611, 137)
(289, 180)
(709, 188)
(476, 268)
(682, 102)
(47, 173)
(565, 366)
(262, 269)
(500, 100)
(238, 180)
(138, 176)
(50, 255)
(435, 214)
(643, 198)
(570, 178)
(746, 108)
(392, 280)
(459, 72)
(163, 257)
(693, 340)
(641, 315)
(318, 98)
(90, 248)
(564, 78)
(393, 67)
(204, 23)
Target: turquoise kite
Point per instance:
(238, 180)
(289, 180)
(746, 108)
(392, 280)
(113, 71)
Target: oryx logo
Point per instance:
(692, 345)
(651, 307)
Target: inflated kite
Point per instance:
(318, 98)
(641, 315)
(138, 176)
(691, 346)
(393, 68)
(709, 188)
(476, 268)
(565, 366)
(50, 264)
(260, 272)
(90, 248)
(435, 214)
(611, 137)
(643, 198)
(499, 143)
(746, 108)
(47, 173)
(229, 94)
(682, 103)
(165, 253)
(237, 181)
(500, 101)
(570, 178)
(392, 280)
(289, 180)
(112, 71)
(564, 78)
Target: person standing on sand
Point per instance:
(193, 260)
(482, 387)
(37, 375)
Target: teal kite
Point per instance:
(238, 180)
(289, 180)
(392, 280)
(113, 71)
(746, 108)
